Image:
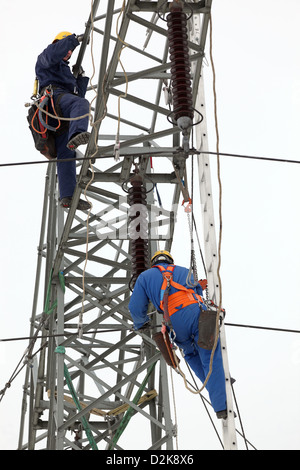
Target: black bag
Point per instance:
(44, 140)
(207, 329)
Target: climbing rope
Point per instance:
(124, 422)
(193, 267)
(27, 355)
(124, 95)
(85, 424)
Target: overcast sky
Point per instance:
(256, 55)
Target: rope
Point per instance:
(175, 410)
(130, 411)
(190, 216)
(44, 319)
(61, 350)
(220, 212)
(124, 95)
(93, 124)
(220, 238)
(148, 396)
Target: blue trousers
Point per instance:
(185, 324)
(71, 106)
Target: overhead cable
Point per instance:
(195, 152)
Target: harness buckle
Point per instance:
(168, 277)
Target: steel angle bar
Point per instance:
(87, 32)
(133, 48)
(151, 6)
(99, 110)
(113, 390)
(140, 102)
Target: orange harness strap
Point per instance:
(180, 299)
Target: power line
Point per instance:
(193, 151)
(253, 157)
(263, 328)
(22, 338)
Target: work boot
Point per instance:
(82, 205)
(222, 414)
(78, 139)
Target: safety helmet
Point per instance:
(61, 35)
(162, 256)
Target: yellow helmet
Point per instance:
(162, 256)
(61, 35)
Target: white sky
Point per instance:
(255, 46)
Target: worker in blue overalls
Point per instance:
(184, 311)
(68, 93)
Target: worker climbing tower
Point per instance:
(91, 374)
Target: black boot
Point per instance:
(82, 205)
(78, 139)
(222, 414)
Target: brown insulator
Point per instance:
(138, 228)
(180, 62)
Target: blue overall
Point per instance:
(51, 69)
(185, 324)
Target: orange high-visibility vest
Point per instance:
(180, 299)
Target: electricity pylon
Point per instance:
(91, 372)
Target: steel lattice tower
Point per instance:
(83, 385)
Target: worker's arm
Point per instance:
(82, 83)
(54, 53)
(138, 304)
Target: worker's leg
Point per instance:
(216, 381)
(185, 323)
(66, 171)
(73, 106)
(194, 361)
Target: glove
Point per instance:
(203, 283)
(80, 38)
(78, 71)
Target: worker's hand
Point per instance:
(203, 283)
(78, 71)
(80, 38)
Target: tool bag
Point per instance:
(43, 134)
(207, 329)
(44, 139)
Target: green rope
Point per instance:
(129, 413)
(86, 427)
(61, 350)
(47, 302)
(62, 281)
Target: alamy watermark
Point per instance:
(123, 222)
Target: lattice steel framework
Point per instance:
(83, 384)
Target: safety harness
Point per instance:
(170, 304)
(43, 134)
